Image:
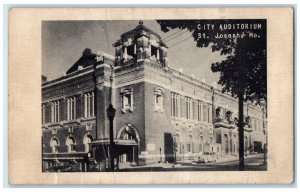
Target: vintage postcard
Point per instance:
(151, 96)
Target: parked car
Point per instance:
(207, 157)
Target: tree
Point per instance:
(243, 72)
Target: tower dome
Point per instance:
(140, 43)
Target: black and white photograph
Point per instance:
(154, 95)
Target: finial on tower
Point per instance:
(141, 22)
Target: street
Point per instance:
(252, 163)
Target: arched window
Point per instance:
(128, 132)
(190, 144)
(128, 135)
(158, 97)
(70, 143)
(127, 100)
(86, 141)
(54, 144)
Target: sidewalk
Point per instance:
(252, 163)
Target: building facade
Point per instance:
(162, 114)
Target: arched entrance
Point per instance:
(128, 138)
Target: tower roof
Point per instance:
(139, 30)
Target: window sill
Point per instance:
(77, 121)
(88, 118)
(60, 124)
(127, 110)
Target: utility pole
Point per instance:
(241, 132)
(265, 131)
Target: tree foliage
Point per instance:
(244, 69)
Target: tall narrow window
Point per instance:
(43, 113)
(209, 110)
(194, 110)
(199, 110)
(175, 104)
(54, 111)
(158, 97)
(89, 104)
(205, 112)
(71, 106)
(127, 100)
(188, 107)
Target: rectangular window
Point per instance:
(127, 100)
(89, 104)
(158, 97)
(71, 108)
(199, 110)
(54, 111)
(208, 113)
(205, 112)
(175, 102)
(188, 108)
(218, 137)
(194, 110)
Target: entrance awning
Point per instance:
(127, 142)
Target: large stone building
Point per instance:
(161, 113)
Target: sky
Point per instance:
(64, 41)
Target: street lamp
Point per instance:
(111, 112)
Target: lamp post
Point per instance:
(111, 112)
